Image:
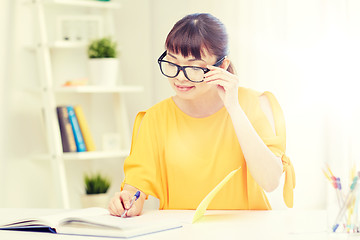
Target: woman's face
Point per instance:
(182, 86)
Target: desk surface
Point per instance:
(284, 224)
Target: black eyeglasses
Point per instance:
(192, 73)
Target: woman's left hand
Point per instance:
(227, 85)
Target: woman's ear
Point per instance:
(225, 64)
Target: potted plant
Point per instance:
(96, 187)
(103, 62)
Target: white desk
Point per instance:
(247, 225)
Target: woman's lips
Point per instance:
(184, 88)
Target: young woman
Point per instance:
(185, 145)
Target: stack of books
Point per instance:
(75, 132)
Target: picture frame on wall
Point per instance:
(78, 29)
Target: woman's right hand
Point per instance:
(121, 201)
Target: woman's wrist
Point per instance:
(133, 190)
(234, 110)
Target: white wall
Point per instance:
(135, 28)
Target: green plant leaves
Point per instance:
(96, 183)
(102, 48)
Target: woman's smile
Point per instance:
(183, 88)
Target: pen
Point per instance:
(346, 203)
(336, 183)
(357, 212)
(341, 194)
(133, 199)
(337, 186)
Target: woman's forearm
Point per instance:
(264, 166)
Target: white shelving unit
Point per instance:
(99, 89)
(88, 155)
(85, 3)
(50, 91)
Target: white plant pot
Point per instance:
(95, 200)
(103, 71)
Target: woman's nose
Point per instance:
(181, 76)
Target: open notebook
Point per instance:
(98, 221)
(94, 222)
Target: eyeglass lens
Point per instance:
(194, 74)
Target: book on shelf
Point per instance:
(67, 135)
(95, 222)
(84, 127)
(79, 140)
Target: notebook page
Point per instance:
(200, 210)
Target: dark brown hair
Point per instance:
(196, 32)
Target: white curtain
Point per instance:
(5, 59)
(307, 53)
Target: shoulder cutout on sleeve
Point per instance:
(266, 107)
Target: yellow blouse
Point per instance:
(180, 159)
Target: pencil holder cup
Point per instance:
(345, 217)
(103, 71)
(95, 200)
(96, 187)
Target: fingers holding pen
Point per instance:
(112, 209)
(125, 198)
(115, 206)
(133, 211)
(134, 207)
(118, 203)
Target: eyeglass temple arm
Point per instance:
(218, 63)
(162, 55)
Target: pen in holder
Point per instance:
(347, 216)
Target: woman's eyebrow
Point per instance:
(171, 55)
(196, 59)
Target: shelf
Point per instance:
(85, 3)
(91, 89)
(69, 44)
(95, 155)
(60, 45)
(99, 89)
(88, 155)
